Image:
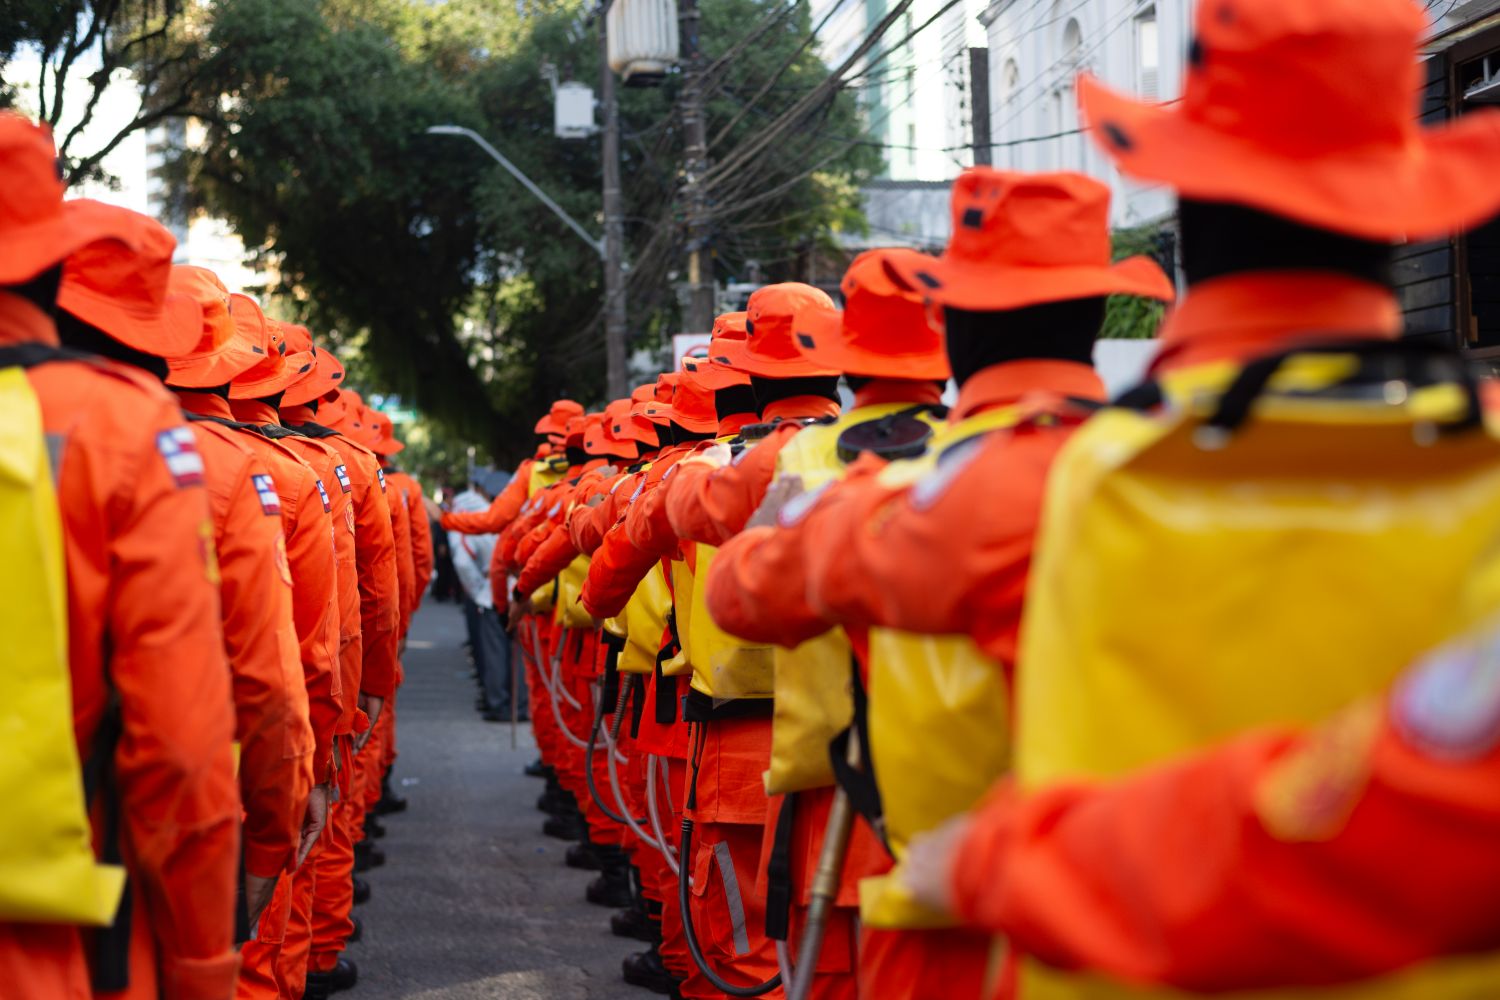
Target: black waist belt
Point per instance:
(699, 707)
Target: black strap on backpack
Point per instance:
(859, 785)
(779, 872)
(109, 957)
(637, 703)
(1418, 363)
(666, 687)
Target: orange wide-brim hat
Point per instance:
(882, 331)
(557, 417)
(714, 369)
(276, 370)
(600, 439)
(624, 425)
(123, 288)
(39, 230)
(1022, 239)
(692, 406)
(1308, 111)
(332, 408)
(652, 406)
(769, 349)
(218, 354)
(327, 371)
(383, 440)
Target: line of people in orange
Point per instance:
(749, 611)
(242, 564)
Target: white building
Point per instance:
(1037, 50)
(915, 93)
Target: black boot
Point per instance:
(361, 891)
(389, 802)
(536, 769)
(367, 856)
(611, 888)
(637, 924)
(645, 969)
(566, 827)
(358, 933)
(583, 856)
(341, 977)
(374, 829)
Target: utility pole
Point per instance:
(699, 317)
(979, 104)
(614, 222)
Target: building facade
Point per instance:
(1037, 48)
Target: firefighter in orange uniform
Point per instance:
(145, 649)
(897, 556)
(104, 288)
(234, 348)
(893, 359)
(321, 891)
(1379, 826)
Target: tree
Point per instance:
(83, 45)
(477, 304)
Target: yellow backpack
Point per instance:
(48, 871)
(1274, 544)
(813, 701)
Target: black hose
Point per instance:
(588, 760)
(685, 855)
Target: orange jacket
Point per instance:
(421, 533)
(1319, 856)
(260, 640)
(710, 505)
(917, 558)
(587, 525)
(375, 554)
(558, 549)
(325, 460)
(406, 564)
(308, 524)
(502, 510)
(143, 623)
(619, 564)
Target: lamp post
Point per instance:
(611, 248)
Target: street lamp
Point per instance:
(611, 249)
(515, 171)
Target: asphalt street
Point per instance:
(473, 901)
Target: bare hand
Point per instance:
(717, 455)
(258, 892)
(434, 512)
(928, 868)
(371, 706)
(783, 490)
(517, 611)
(313, 821)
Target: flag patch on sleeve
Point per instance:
(265, 489)
(327, 504)
(380, 475)
(343, 474)
(180, 452)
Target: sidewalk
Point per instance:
(473, 901)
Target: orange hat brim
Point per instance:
(1441, 184)
(221, 367)
(742, 356)
(387, 446)
(985, 287)
(820, 336)
(713, 375)
(326, 375)
(296, 366)
(27, 251)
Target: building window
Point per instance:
(1147, 56)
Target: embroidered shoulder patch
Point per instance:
(349, 517)
(180, 452)
(343, 476)
(265, 491)
(380, 475)
(1448, 705)
(327, 504)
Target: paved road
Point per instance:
(474, 901)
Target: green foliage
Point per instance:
(1130, 317)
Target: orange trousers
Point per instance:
(728, 915)
(260, 968)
